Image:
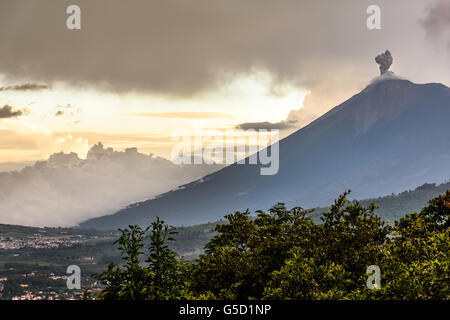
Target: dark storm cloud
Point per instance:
(25, 87)
(437, 24)
(184, 47)
(8, 112)
(282, 125)
(437, 19)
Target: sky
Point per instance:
(137, 71)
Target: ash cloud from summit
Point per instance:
(315, 104)
(385, 61)
(221, 41)
(176, 49)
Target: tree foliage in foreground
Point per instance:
(160, 277)
(284, 254)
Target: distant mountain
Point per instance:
(65, 189)
(392, 136)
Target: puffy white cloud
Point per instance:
(65, 189)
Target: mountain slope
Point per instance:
(392, 136)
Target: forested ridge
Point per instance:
(285, 254)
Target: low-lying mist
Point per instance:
(66, 190)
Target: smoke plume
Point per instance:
(385, 61)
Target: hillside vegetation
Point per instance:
(285, 254)
(31, 252)
(395, 206)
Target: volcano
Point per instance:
(392, 136)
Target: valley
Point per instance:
(33, 261)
